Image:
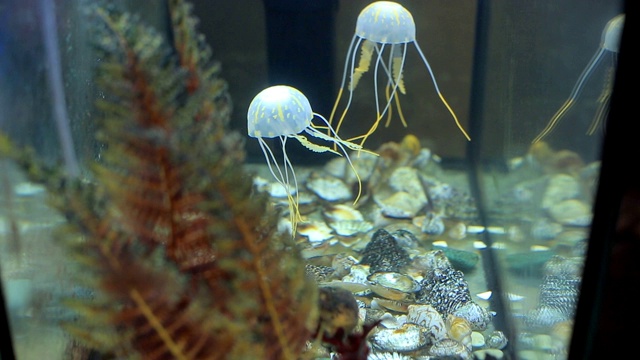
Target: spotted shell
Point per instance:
(478, 316)
(448, 348)
(408, 337)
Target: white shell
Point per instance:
(316, 232)
(406, 179)
(450, 348)
(478, 316)
(561, 187)
(341, 212)
(328, 187)
(429, 318)
(408, 337)
(571, 212)
(400, 205)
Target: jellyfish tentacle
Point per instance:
(294, 205)
(352, 53)
(575, 93)
(435, 84)
(341, 144)
(352, 49)
(294, 214)
(603, 101)
(315, 147)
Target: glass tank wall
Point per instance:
(281, 179)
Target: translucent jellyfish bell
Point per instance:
(284, 112)
(609, 43)
(383, 25)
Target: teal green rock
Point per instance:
(460, 259)
(530, 262)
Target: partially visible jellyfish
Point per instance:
(608, 49)
(383, 25)
(284, 112)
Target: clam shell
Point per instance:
(408, 337)
(459, 329)
(393, 280)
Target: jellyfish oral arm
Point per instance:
(435, 84)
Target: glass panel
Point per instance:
(150, 218)
(549, 71)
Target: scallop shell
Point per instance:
(408, 337)
(350, 227)
(429, 318)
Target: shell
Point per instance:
(350, 227)
(448, 348)
(341, 212)
(316, 232)
(342, 264)
(408, 337)
(561, 187)
(406, 179)
(571, 212)
(388, 356)
(358, 274)
(459, 329)
(396, 281)
(433, 224)
(393, 305)
(497, 340)
(328, 188)
(401, 205)
(429, 318)
(478, 316)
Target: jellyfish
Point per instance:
(609, 44)
(284, 112)
(383, 25)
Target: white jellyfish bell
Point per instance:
(380, 26)
(609, 44)
(284, 112)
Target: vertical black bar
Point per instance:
(301, 53)
(6, 345)
(606, 315)
(503, 320)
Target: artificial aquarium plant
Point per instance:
(181, 256)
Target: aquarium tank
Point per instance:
(279, 179)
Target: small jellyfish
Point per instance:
(608, 48)
(383, 25)
(284, 112)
